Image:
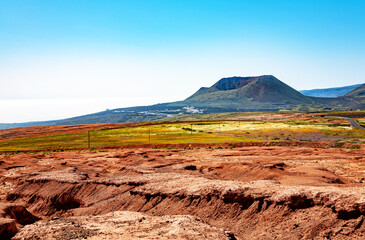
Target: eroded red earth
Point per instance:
(248, 192)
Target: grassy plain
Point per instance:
(289, 128)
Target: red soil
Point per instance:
(248, 192)
(25, 132)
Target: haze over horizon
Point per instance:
(61, 59)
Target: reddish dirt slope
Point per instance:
(25, 132)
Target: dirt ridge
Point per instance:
(198, 145)
(211, 200)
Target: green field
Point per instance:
(309, 129)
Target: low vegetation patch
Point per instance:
(300, 128)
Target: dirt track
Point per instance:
(240, 193)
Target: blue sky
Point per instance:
(127, 53)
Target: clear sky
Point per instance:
(66, 58)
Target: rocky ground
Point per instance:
(253, 192)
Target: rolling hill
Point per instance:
(358, 92)
(358, 96)
(329, 92)
(234, 94)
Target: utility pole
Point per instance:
(88, 139)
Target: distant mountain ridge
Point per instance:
(233, 94)
(330, 92)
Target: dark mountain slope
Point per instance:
(358, 92)
(225, 84)
(233, 83)
(358, 96)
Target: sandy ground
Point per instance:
(256, 192)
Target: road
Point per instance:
(353, 122)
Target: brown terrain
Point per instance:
(25, 132)
(247, 192)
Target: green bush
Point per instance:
(355, 147)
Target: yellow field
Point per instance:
(196, 132)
